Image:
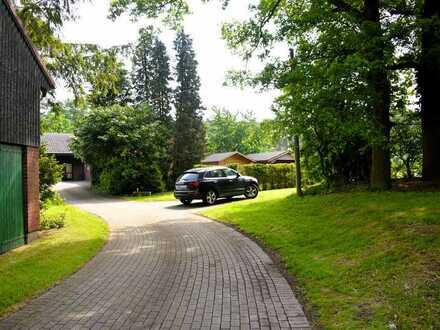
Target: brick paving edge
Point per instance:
(308, 308)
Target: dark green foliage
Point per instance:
(406, 145)
(151, 79)
(151, 75)
(123, 146)
(107, 76)
(50, 173)
(269, 176)
(189, 140)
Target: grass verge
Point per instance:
(160, 197)
(364, 260)
(28, 270)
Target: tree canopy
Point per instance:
(241, 132)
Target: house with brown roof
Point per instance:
(58, 145)
(226, 158)
(24, 80)
(273, 157)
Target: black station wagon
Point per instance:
(209, 184)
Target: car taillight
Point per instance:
(193, 185)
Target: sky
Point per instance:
(212, 53)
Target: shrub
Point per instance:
(125, 147)
(52, 220)
(50, 173)
(270, 176)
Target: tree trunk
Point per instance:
(409, 174)
(380, 85)
(428, 77)
(299, 191)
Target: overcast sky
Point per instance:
(212, 53)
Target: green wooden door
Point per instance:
(11, 198)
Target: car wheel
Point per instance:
(186, 201)
(210, 197)
(251, 191)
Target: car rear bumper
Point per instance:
(187, 195)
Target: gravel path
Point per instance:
(164, 267)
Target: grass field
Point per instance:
(364, 260)
(30, 269)
(160, 197)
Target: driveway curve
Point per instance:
(164, 267)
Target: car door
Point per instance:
(235, 186)
(217, 179)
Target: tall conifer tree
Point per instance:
(151, 79)
(151, 75)
(189, 129)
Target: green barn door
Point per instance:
(11, 198)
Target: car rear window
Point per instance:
(189, 177)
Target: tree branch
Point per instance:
(342, 6)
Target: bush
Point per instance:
(50, 173)
(52, 220)
(125, 147)
(270, 176)
(130, 176)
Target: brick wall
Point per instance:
(32, 189)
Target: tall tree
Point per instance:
(189, 140)
(227, 131)
(151, 75)
(378, 79)
(429, 82)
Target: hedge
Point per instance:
(269, 176)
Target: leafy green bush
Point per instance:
(124, 146)
(270, 176)
(51, 172)
(52, 220)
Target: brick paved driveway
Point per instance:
(164, 268)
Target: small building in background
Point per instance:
(24, 80)
(58, 145)
(273, 157)
(226, 158)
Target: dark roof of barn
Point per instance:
(57, 143)
(221, 156)
(28, 42)
(267, 156)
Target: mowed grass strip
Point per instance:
(364, 260)
(28, 270)
(159, 197)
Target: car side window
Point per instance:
(214, 174)
(230, 173)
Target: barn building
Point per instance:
(272, 157)
(226, 158)
(24, 80)
(58, 145)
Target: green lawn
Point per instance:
(364, 260)
(28, 270)
(160, 197)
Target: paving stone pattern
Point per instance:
(165, 268)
